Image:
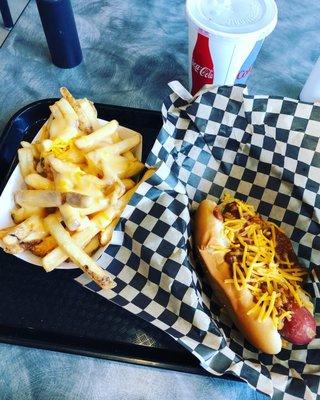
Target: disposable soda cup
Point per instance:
(311, 89)
(225, 37)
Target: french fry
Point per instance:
(116, 137)
(44, 131)
(106, 234)
(86, 112)
(20, 214)
(56, 112)
(114, 209)
(87, 115)
(31, 146)
(43, 198)
(78, 200)
(59, 128)
(97, 205)
(4, 232)
(128, 183)
(26, 144)
(92, 168)
(93, 192)
(72, 178)
(28, 231)
(45, 145)
(113, 212)
(116, 148)
(92, 180)
(124, 200)
(90, 185)
(72, 218)
(57, 256)
(118, 189)
(98, 138)
(26, 162)
(68, 96)
(129, 155)
(44, 247)
(77, 254)
(68, 113)
(74, 155)
(118, 163)
(63, 183)
(134, 168)
(37, 181)
(149, 172)
(109, 176)
(10, 244)
(63, 167)
(65, 121)
(103, 218)
(93, 245)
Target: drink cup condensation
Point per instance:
(225, 37)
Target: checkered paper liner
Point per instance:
(262, 149)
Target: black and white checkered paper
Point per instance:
(262, 149)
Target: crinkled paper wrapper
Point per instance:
(262, 149)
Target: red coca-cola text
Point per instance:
(202, 71)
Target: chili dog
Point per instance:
(254, 273)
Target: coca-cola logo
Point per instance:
(202, 71)
(245, 73)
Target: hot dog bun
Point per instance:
(208, 232)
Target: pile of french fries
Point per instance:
(79, 176)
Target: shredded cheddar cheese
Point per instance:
(63, 149)
(272, 278)
(59, 147)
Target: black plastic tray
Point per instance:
(54, 312)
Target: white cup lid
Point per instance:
(231, 18)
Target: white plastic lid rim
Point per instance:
(234, 18)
